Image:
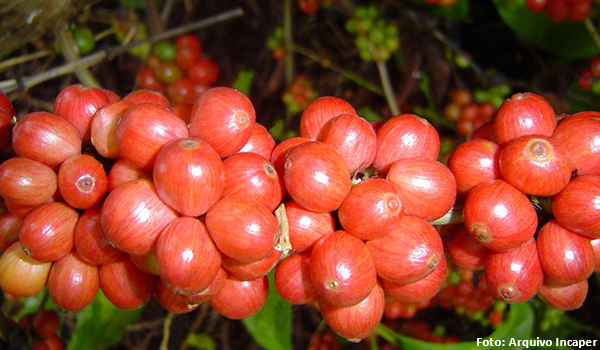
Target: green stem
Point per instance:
(387, 88)
(388, 335)
(593, 32)
(25, 58)
(164, 344)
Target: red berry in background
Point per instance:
(146, 79)
(282, 150)
(187, 56)
(73, 283)
(578, 134)
(405, 136)
(77, 104)
(524, 114)
(576, 206)
(251, 270)
(181, 91)
(316, 167)
(147, 96)
(91, 243)
(239, 299)
(354, 138)
(125, 285)
(371, 207)
(536, 5)
(514, 276)
(6, 124)
(580, 11)
(21, 275)
(536, 165)
(428, 187)
(307, 227)
(204, 72)
(10, 225)
(260, 142)
(250, 237)
(499, 215)
(320, 111)
(123, 171)
(188, 40)
(26, 182)
(45, 323)
(82, 181)
(133, 216)
(292, 279)
(473, 162)
(585, 80)
(224, 118)
(412, 243)
(104, 126)
(168, 72)
(557, 11)
(189, 176)
(45, 137)
(569, 297)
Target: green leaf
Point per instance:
(243, 81)
(459, 11)
(569, 39)
(101, 325)
(271, 327)
(201, 341)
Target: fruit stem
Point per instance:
(164, 344)
(44, 300)
(282, 240)
(388, 90)
(453, 216)
(289, 42)
(593, 32)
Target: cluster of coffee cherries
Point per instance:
(443, 3)
(559, 11)
(525, 156)
(589, 78)
(376, 39)
(275, 43)
(300, 93)
(36, 331)
(466, 113)
(178, 70)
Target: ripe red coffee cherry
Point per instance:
(112, 96)
(77, 104)
(428, 187)
(536, 165)
(45, 323)
(405, 136)
(524, 114)
(26, 182)
(357, 321)
(224, 118)
(566, 257)
(189, 176)
(175, 303)
(146, 263)
(569, 297)
(6, 105)
(485, 131)
(250, 237)
(246, 271)
(354, 138)
(499, 216)
(73, 283)
(103, 128)
(183, 111)
(306, 227)
(260, 142)
(292, 280)
(133, 216)
(370, 208)
(21, 275)
(473, 162)
(248, 175)
(596, 245)
(144, 130)
(283, 149)
(82, 181)
(239, 299)
(576, 206)
(204, 72)
(123, 171)
(412, 243)
(341, 269)
(212, 290)
(91, 243)
(319, 112)
(10, 225)
(578, 134)
(126, 286)
(187, 258)
(465, 250)
(47, 231)
(421, 290)
(514, 276)
(147, 96)
(315, 167)
(45, 137)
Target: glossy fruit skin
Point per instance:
(341, 269)
(566, 257)
(316, 167)
(73, 283)
(20, 274)
(239, 299)
(45, 137)
(10, 225)
(89, 239)
(306, 227)
(569, 297)
(405, 136)
(77, 104)
(82, 181)
(499, 215)
(45, 323)
(183, 111)
(146, 79)
(320, 111)
(370, 208)
(421, 290)
(514, 276)
(428, 187)
(577, 134)
(189, 176)
(175, 303)
(523, 114)
(251, 270)
(250, 237)
(133, 216)
(355, 322)
(575, 206)
(103, 128)
(147, 96)
(292, 280)
(125, 285)
(48, 230)
(187, 258)
(473, 162)
(283, 149)
(248, 175)
(465, 250)
(123, 171)
(144, 130)
(535, 164)
(260, 142)
(224, 118)
(354, 138)
(26, 182)
(212, 290)
(412, 243)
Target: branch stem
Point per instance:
(593, 32)
(388, 90)
(164, 344)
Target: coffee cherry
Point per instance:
(473, 162)
(354, 138)
(146, 263)
(45, 323)
(204, 72)
(306, 227)
(578, 134)
(421, 290)
(239, 299)
(465, 250)
(319, 112)
(125, 285)
(147, 96)
(91, 243)
(77, 104)
(103, 128)
(26, 182)
(569, 297)
(82, 181)
(72, 283)
(175, 303)
(123, 171)
(575, 207)
(251, 270)
(292, 280)
(260, 142)
(282, 150)
(10, 225)
(524, 114)
(21, 275)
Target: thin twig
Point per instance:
(197, 323)
(388, 90)
(166, 11)
(593, 32)
(25, 58)
(164, 344)
(289, 42)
